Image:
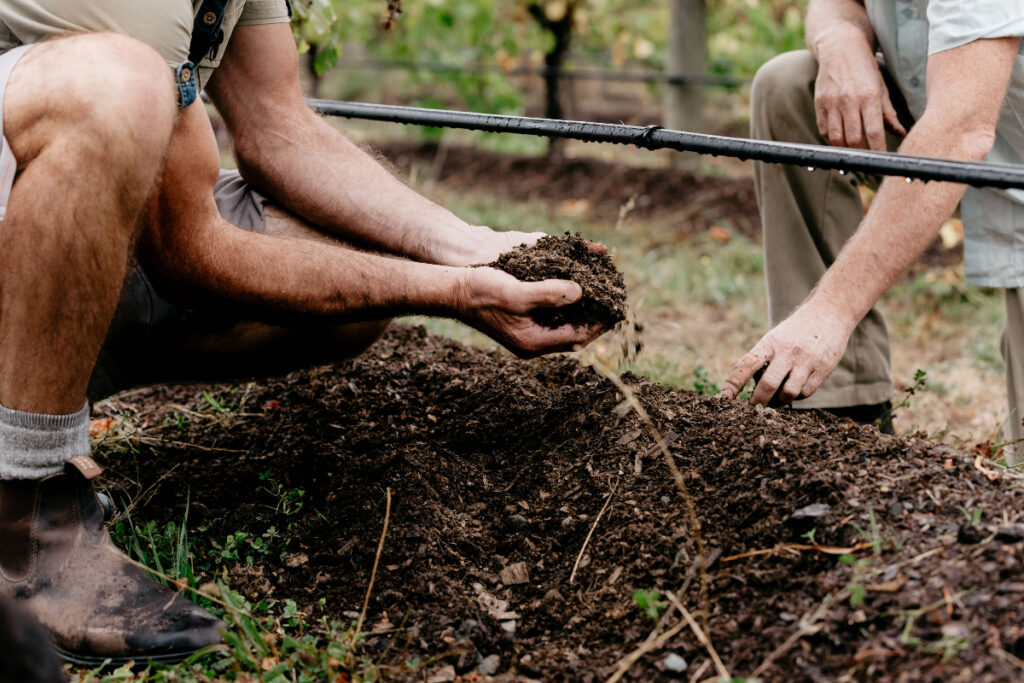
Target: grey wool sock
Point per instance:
(35, 445)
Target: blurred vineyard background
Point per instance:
(491, 56)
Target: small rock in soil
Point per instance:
(674, 662)
(569, 258)
(489, 665)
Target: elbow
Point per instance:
(249, 150)
(967, 138)
(977, 143)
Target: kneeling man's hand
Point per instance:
(797, 355)
(500, 306)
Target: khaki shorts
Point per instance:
(8, 165)
(143, 314)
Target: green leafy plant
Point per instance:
(650, 602)
(702, 382)
(287, 501)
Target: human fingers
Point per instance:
(853, 125)
(772, 379)
(836, 129)
(892, 119)
(742, 372)
(812, 383)
(821, 115)
(874, 126)
(537, 340)
(552, 293)
(792, 388)
(597, 248)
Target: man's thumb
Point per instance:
(552, 293)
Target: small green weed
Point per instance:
(288, 501)
(856, 587)
(973, 515)
(243, 546)
(702, 382)
(650, 602)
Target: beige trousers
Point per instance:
(807, 216)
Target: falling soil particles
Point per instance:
(830, 551)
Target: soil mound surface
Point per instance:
(569, 257)
(831, 551)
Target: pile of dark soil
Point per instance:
(499, 469)
(569, 257)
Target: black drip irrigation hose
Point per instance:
(655, 137)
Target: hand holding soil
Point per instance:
(570, 257)
(505, 309)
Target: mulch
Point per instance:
(500, 468)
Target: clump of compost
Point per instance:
(569, 257)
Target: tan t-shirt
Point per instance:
(166, 25)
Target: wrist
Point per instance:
(840, 38)
(834, 311)
(459, 243)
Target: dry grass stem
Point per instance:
(701, 637)
(827, 549)
(181, 586)
(805, 628)
(648, 645)
(677, 476)
(607, 502)
(376, 562)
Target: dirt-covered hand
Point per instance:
(851, 100)
(797, 356)
(500, 306)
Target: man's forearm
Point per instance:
(834, 22)
(320, 175)
(903, 220)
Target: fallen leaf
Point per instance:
(719, 234)
(100, 426)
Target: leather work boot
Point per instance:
(57, 559)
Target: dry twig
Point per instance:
(579, 557)
(376, 561)
(648, 645)
(677, 476)
(805, 628)
(827, 549)
(701, 638)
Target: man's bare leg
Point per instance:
(89, 135)
(88, 119)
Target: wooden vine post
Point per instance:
(687, 41)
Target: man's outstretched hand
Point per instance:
(500, 306)
(797, 356)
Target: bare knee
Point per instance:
(104, 93)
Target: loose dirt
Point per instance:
(499, 468)
(570, 257)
